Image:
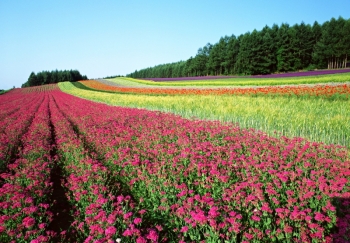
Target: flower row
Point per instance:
(101, 210)
(318, 90)
(25, 194)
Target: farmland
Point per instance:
(74, 170)
(319, 113)
(243, 81)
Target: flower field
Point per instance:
(318, 118)
(73, 170)
(324, 91)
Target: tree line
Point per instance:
(51, 77)
(273, 49)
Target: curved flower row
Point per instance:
(208, 181)
(25, 195)
(317, 90)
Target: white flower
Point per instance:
(118, 240)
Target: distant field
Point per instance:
(326, 91)
(329, 78)
(3, 91)
(277, 75)
(316, 119)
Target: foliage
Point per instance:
(113, 76)
(47, 77)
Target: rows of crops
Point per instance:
(324, 91)
(79, 171)
(325, 119)
(237, 81)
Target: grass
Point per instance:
(315, 119)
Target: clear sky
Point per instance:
(110, 37)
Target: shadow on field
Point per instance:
(81, 86)
(342, 232)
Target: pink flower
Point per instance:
(28, 222)
(140, 239)
(213, 212)
(110, 231)
(279, 210)
(184, 229)
(42, 226)
(127, 232)
(255, 218)
(142, 211)
(275, 201)
(152, 235)
(248, 236)
(288, 229)
(265, 207)
(159, 227)
(127, 215)
(319, 216)
(137, 220)
(199, 216)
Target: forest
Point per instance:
(51, 77)
(275, 49)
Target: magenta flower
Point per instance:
(255, 218)
(142, 211)
(152, 235)
(127, 215)
(110, 231)
(319, 216)
(140, 239)
(42, 226)
(137, 221)
(127, 232)
(184, 229)
(28, 222)
(213, 212)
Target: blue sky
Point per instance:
(105, 37)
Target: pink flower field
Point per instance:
(73, 170)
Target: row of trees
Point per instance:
(273, 49)
(47, 77)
